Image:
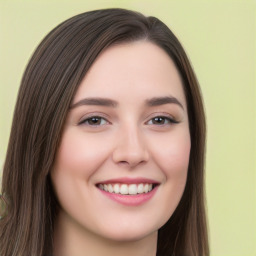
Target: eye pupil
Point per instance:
(94, 120)
(158, 120)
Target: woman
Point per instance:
(106, 153)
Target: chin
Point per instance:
(129, 234)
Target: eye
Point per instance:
(94, 121)
(161, 120)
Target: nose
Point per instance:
(131, 149)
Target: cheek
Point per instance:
(80, 155)
(172, 155)
(173, 159)
(77, 159)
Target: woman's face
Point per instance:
(121, 167)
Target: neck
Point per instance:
(70, 239)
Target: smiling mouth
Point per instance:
(127, 189)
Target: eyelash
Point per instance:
(167, 120)
(170, 120)
(85, 121)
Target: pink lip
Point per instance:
(130, 200)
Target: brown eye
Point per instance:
(94, 121)
(161, 120)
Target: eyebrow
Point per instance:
(95, 101)
(156, 101)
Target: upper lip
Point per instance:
(127, 180)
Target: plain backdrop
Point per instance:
(219, 38)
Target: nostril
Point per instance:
(131, 158)
(123, 162)
(131, 164)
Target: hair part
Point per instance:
(49, 83)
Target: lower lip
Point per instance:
(130, 200)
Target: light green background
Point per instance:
(219, 37)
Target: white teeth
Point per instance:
(110, 188)
(127, 189)
(124, 189)
(141, 188)
(132, 189)
(116, 188)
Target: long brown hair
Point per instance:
(49, 83)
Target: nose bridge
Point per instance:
(131, 146)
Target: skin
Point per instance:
(128, 141)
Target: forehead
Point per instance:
(140, 68)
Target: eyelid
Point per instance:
(168, 116)
(171, 118)
(93, 114)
